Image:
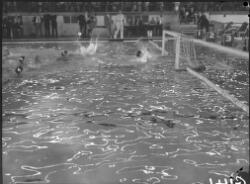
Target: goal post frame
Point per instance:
(177, 38)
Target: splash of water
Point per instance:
(90, 49)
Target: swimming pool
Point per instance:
(80, 121)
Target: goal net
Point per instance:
(180, 49)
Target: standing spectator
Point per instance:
(182, 15)
(4, 27)
(19, 29)
(108, 23)
(191, 16)
(140, 27)
(37, 20)
(93, 22)
(195, 17)
(47, 25)
(203, 24)
(158, 26)
(10, 23)
(54, 25)
(15, 27)
(119, 22)
(82, 24)
(151, 23)
(88, 26)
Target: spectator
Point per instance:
(93, 23)
(140, 27)
(108, 23)
(88, 22)
(37, 20)
(82, 24)
(47, 25)
(203, 23)
(158, 28)
(191, 16)
(4, 27)
(54, 25)
(182, 15)
(119, 23)
(9, 26)
(18, 27)
(15, 26)
(151, 29)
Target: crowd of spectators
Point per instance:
(45, 24)
(87, 23)
(48, 23)
(12, 26)
(28, 6)
(143, 26)
(189, 12)
(134, 26)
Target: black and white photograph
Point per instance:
(125, 92)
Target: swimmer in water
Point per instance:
(64, 56)
(64, 53)
(19, 68)
(143, 55)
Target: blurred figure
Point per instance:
(47, 25)
(88, 25)
(139, 24)
(19, 68)
(93, 22)
(54, 25)
(37, 20)
(152, 24)
(203, 24)
(19, 26)
(82, 24)
(182, 15)
(108, 23)
(15, 26)
(4, 27)
(158, 28)
(9, 27)
(119, 23)
(191, 17)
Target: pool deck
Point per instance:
(65, 39)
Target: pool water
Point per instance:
(79, 121)
(234, 77)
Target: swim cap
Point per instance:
(19, 69)
(138, 53)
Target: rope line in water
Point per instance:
(223, 92)
(222, 48)
(59, 41)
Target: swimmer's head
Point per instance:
(64, 53)
(138, 53)
(19, 69)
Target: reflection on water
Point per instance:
(123, 124)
